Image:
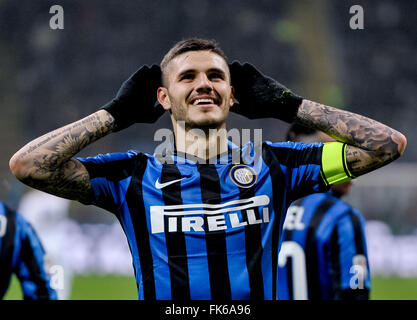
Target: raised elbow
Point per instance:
(398, 144)
(393, 148)
(18, 166)
(401, 141)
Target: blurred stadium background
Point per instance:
(52, 77)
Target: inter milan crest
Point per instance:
(243, 176)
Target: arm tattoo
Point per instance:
(49, 165)
(371, 144)
(71, 181)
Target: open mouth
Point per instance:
(204, 101)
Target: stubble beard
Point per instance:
(181, 115)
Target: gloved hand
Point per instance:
(136, 100)
(260, 96)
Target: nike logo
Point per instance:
(163, 185)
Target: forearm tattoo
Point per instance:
(49, 165)
(371, 144)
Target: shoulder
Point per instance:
(356, 215)
(320, 203)
(6, 211)
(25, 230)
(113, 165)
(109, 157)
(292, 145)
(344, 213)
(293, 153)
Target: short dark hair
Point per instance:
(191, 44)
(297, 132)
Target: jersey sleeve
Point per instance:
(110, 176)
(301, 165)
(349, 263)
(29, 265)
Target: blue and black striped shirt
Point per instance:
(21, 253)
(206, 231)
(323, 252)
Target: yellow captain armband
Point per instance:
(334, 168)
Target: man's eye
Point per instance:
(188, 76)
(216, 76)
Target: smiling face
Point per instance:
(197, 89)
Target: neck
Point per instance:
(203, 143)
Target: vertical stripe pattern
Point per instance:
(175, 241)
(278, 186)
(238, 251)
(313, 280)
(335, 259)
(215, 240)
(6, 250)
(289, 274)
(359, 240)
(134, 199)
(34, 269)
(253, 251)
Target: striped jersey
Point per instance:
(21, 253)
(323, 253)
(205, 230)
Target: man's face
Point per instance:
(198, 89)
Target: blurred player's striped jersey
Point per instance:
(22, 253)
(323, 252)
(206, 231)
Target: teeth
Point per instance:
(203, 101)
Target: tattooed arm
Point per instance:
(371, 144)
(46, 163)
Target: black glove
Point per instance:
(136, 100)
(260, 96)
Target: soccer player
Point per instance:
(203, 220)
(323, 254)
(49, 216)
(21, 253)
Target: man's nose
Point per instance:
(203, 83)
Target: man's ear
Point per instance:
(232, 97)
(163, 98)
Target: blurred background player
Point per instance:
(323, 254)
(49, 216)
(22, 254)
